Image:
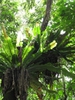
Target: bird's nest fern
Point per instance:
(21, 67)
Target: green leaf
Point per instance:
(36, 30)
(52, 68)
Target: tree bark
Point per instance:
(47, 15)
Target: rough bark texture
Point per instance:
(47, 15)
(15, 84)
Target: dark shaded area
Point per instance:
(10, 96)
(48, 57)
(13, 84)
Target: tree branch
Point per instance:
(47, 15)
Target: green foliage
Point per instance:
(63, 15)
(28, 4)
(42, 51)
(8, 10)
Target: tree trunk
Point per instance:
(47, 15)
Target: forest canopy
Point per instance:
(37, 49)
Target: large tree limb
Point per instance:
(47, 15)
